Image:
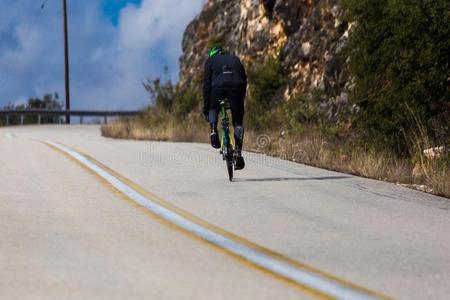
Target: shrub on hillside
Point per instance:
(400, 55)
(264, 82)
(167, 98)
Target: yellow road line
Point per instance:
(307, 279)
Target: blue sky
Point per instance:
(114, 45)
(112, 8)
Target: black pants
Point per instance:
(236, 98)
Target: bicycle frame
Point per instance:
(225, 137)
(227, 144)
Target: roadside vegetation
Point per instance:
(396, 130)
(49, 102)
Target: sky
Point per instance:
(114, 45)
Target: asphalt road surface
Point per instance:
(85, 217)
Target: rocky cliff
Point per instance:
(308, 36)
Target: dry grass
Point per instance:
(187, 131)
(311, 149)
(436, 175)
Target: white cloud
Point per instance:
(156, 21)
(107, 62)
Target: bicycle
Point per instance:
(227, 145)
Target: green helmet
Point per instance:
(215, 50)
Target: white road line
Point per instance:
(303, 277)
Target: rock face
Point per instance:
(307, 35)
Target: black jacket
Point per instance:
(223, 72)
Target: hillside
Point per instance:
(361, 87)
(307, 36)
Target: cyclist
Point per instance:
(225, 77)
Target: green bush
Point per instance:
(167, 98)
(264, 82)
(187, 101)
(305, 109)
(399, 53)
(162, 94)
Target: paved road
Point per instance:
(65, 233)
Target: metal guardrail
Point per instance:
(64, 113)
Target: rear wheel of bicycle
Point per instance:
(230, 171)
(230, 164)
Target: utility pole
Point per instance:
(66, 60)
